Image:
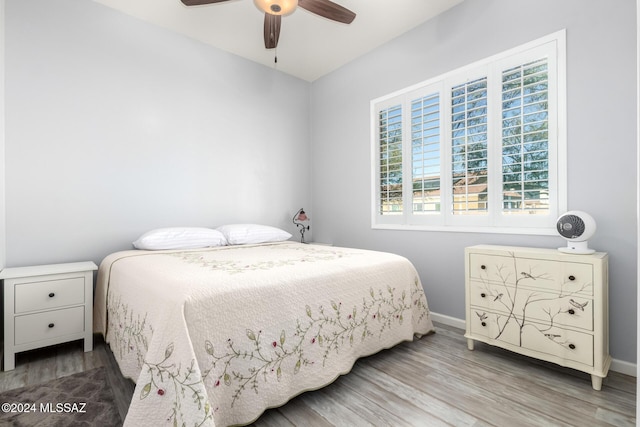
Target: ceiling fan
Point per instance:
(274, 10)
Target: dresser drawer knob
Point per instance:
(484, 323)
(484, 267)
(572, 278)
(483, 295)
(51, 325)
(51, 295)
(571, 311)
(572, 346)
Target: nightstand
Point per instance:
(46, 305)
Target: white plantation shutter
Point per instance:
(525, 139)
(390, 160)
(469, 143)
(425, 154)
(481, 148)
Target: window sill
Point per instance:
(457, 229)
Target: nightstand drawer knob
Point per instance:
(484, 323)
(51, 295)
(483, 295)
(572, 346)
(572, 277)
(51, 325)
(571, 311)
(484, 267)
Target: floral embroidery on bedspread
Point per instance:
(211, 261)
(258, 358)
(188, 389)
(129, 333)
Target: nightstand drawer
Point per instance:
(49, 294)
(48, 325)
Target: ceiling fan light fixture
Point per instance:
(277, 7)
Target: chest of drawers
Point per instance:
(541, 303)
(46, 305)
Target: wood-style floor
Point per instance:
(430, 382)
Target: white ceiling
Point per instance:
(309, 47)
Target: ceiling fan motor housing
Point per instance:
(277, 7)
(576, 227)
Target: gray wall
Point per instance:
(602, 118)
(115, 127)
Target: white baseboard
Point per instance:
(449, 321)
(620, 366)
(623, 367)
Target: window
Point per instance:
(481, 148)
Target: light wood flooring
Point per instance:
(430, 382)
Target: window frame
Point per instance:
(495, 221)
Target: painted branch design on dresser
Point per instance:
(514, 292)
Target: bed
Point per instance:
(216, 336)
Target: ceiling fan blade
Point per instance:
(200, 2)
(328, 9)
(271, 30)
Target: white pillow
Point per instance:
(180, 238)
(243, 234)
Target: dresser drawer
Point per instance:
(554, 276)
(572, 310)
(537, 340)
(563, 343)
(48, 325)
(575, 311)
(50, 294)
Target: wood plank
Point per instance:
(377, 387)
(299, 414)
(16, 378)
(273, 418)
(332, 409)
(369, 410)
(425, 402)
(69, 360)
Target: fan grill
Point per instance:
(571, 226)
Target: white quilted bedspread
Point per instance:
(216, 336)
